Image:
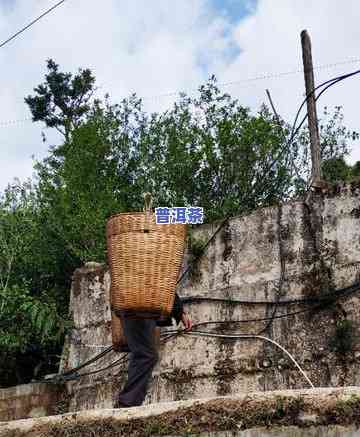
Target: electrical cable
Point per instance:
(253, 336)
(120, 360)
(13, 122)
(239, 321)
(264, 76)
(247, 336)
(31, 24)
(261, 77)
(196, 259)
(168, 334)
(262, 319)
(329, 83)
(92, 360)
(111, 365)
(171, 334)
(67, 374)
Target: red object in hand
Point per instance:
(186, 322)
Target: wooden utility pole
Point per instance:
(311, 109)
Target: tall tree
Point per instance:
(63, 99)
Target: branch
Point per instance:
(60, 130)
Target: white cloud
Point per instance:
(270, 40)
(135, 45)
(158, 47)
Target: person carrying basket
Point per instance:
(139, 332)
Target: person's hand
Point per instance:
(186, 321)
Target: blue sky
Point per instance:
(235, 9)
(153, 49)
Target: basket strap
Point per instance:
(147, 210)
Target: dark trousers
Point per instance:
(139, 334)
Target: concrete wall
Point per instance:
(314, 247)
(31, 400)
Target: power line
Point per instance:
(256, 78)
(264, 76)
(329, 83)
(30, 24)
(13, 122)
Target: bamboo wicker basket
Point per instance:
(145, 260)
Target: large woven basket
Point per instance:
(145, 260)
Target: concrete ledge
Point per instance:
(288, 412)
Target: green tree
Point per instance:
(219, 158)
(118, 152)
(334, 139)
(336, 169)
(208, 151)
(355, 170)
(95, 179)
(63, 99)
(33, 289)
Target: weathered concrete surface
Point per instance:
(30, 400)
(320, 412)
(316, 247)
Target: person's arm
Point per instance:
(179, 314)
(178, 309)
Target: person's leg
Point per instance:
(139, 334)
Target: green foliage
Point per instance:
(334, 138)
(24, 317)
(208, 151)
(217, 158)
(344, 412)
(355, 171)
(336, 169)
(195, 245)
(93, 180)
(62, 100)
(34, 281)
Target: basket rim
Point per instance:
(128, 213)
(138, 213)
